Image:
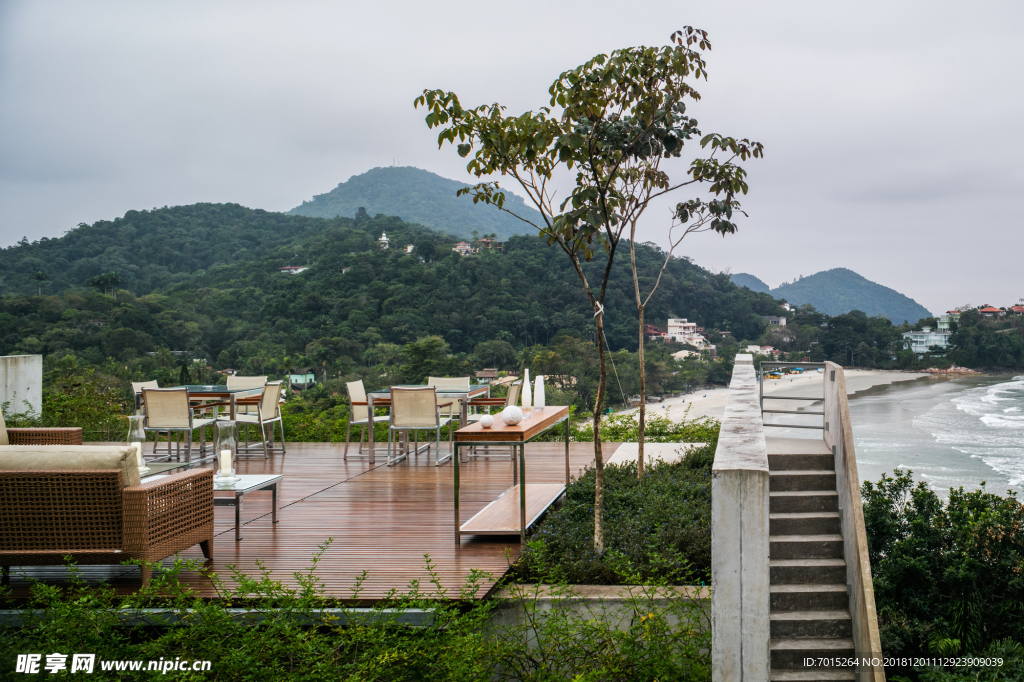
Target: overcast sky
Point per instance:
(888, 126)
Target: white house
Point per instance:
(681, 331)
(775, 320)
(293, 269)
(921, 341)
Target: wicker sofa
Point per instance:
(87, 502)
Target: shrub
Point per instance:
(948, 577)
(285, 634)
(655, 527)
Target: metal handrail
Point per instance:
(761, 374)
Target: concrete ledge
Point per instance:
(739, 536)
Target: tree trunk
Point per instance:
(643, 400)
(598, 458)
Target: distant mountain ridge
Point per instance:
(419, 196)
(839, 291)
(742, 279)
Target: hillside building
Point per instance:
(464, 248)
(681, 331)
(774, 320)
(488, 244)
(989, 311)
(293, 269)
(921, 342)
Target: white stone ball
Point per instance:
(487, 421)
(511, 415)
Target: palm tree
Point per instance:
(40, 277)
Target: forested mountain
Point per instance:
(742, 279)
(419, 196)
(153, 249)
(839, 291)
(222, 297)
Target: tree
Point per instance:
(694, 215)
(607, 119)
(108, 281)
(40, 277)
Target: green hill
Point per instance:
(418, 196)
(742, 279)
(205, 278)
(839, 291)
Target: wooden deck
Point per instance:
(382, 520)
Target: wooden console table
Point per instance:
(521, 505)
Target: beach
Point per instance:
(711, 402)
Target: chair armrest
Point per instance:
(65, 435)
(173, 512)
(447, 404)
(487, 401)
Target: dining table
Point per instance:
(382, 398)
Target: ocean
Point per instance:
(949, 432)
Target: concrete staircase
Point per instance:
(810, 607)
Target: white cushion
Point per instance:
(58, 457)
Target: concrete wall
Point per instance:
(21, 379)
(740, 596)
(839, 437)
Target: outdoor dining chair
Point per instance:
(137, 387)
(451, 384)
(169, 410)
(358, 414)
(417, 409)
(235, 383)
(268, 413)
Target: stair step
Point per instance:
(806, 462)
(819, 675)
(805, 546)
(804, 523)
(796, 501)
(801, 479)
(809, 597)
(811, 624)
(807, 571)
(788, 653)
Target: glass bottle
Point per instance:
(225, 442)
(136, 438)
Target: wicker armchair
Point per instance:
(46, 515)
(71, 435)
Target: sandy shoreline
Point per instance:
(711, 403)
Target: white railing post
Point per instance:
(740, 598)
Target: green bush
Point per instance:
(948, 576)
(80, 397)
(624, 428)
(286, 635)
(655, 527)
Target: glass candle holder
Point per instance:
(136, 437)
(225, 443)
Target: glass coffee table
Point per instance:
(246, 484)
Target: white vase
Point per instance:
(539, 399)
(527, 390)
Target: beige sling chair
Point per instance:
(359, 415)
(415, 410)
(169, 410)
(267, 413)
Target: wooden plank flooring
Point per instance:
(382, 520)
